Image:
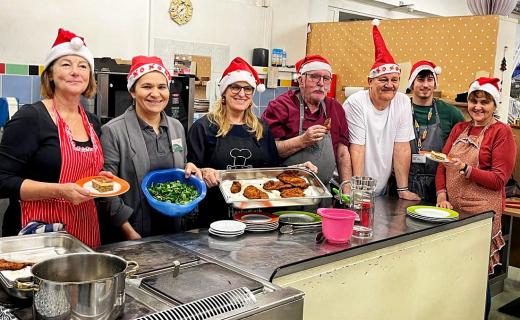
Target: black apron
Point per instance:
(320, 154)
(231, 152)
(422, 175)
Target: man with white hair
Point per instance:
(308, 125)
(380, 124)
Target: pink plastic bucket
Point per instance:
(337, 224)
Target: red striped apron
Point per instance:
(80, 220)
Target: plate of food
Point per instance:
(437, 156)
(101, 186)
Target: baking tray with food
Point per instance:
(19, 253)
(271, 187)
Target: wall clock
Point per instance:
(181, 11)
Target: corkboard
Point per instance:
(462, 46)
(203, 67)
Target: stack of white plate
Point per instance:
(431, 213)
(227, 228)
(258, 221)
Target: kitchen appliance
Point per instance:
(260, 57)
(79, 286)
(112, 98)
(203, 288)
(177, 283)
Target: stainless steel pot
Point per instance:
(79, 286)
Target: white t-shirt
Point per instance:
(377, 131)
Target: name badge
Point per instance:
(418, 158)
(177, 145)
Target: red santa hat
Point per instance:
(68, 43)
(423, 65)
(384, 61)
(240, 70)
(141, 65)
(312, 63)
(489, 85)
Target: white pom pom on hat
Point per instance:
(260, 88)
(437, 70)
(76, 43)
(376, 22)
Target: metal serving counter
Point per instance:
(271, 255)
(405, 271)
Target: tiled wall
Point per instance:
(21, 81)
(261, 100)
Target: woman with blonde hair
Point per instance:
(231, 136)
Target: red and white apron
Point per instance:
(80, 220)
(468, 196)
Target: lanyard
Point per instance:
(421, 136)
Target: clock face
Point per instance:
(181, 11)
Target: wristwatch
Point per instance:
(463, 170)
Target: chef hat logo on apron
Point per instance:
(240, 157)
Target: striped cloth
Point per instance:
(34, 227)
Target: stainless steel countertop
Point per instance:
(270, 255)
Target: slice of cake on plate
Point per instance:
(103, 184)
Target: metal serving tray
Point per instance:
(256, 177)
(34, 248)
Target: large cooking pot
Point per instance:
(79, 286)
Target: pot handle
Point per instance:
(26, 285)
(133, 270)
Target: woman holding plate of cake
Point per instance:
(143, 139)
(50, 144)
(481, 156)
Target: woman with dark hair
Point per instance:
(482, 155)
(142, 139)
(50, 144)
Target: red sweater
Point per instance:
(496, 158)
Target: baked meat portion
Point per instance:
(292, 193)
(236, 187)
(294, 181)
(252, 192)
(13, 266)
(327, 123)
(275, 185)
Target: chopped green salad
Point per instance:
(173, 192)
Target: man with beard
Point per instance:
(308, 125)
(432, 121)
(380, 124)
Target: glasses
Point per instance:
(235, 89)
(315, 78)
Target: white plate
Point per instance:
(89, 187)
(224, 235)
(432, 213)
(228, 226)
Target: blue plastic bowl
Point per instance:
(169, 175)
